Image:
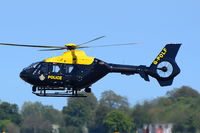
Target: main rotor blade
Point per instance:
(54, 49)
(37, 46)
(92, 40)
(111, 45)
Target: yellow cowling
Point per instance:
(72, 57)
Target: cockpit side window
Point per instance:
(56, 68)
(42, 68)
(69, 68)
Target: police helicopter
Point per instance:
(67, 75)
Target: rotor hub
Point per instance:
(164, 69)
(71, 46)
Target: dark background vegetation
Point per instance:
(111, 113)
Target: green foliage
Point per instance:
(111, 113)
(9, 115)
(35, 123)
(141, 115)
(4, 124)
(180, 107)
(109, 101)
(47, 112)
(39, 118)
(80, 111)
(184, 91)
(72, 129)
(117, 121)
(112, 101)
(8, 126)
(10, 112)
(12, 128)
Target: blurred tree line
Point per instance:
(109, 114)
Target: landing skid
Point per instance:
(59, 95)
(43, 92)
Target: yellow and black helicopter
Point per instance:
(68, 74)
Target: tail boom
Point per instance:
(163, 68)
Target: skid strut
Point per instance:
(73, 93)
(59, 95)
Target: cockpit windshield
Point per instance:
(33, 65)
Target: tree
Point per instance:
(12, 128)
(4, 124)
(9, 113)
(80, 111)
(47, 112)
(113, 101)
(70, 129)
(117, 121)
(141, 115)
(35, 123)
(184, 91)
(109, 101)
(39, 118)
(180, 107)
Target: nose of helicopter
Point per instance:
(24, 75)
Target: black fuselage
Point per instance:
(57, 75)
(71, 76)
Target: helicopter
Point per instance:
(67, 75)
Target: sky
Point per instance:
(49, 22)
